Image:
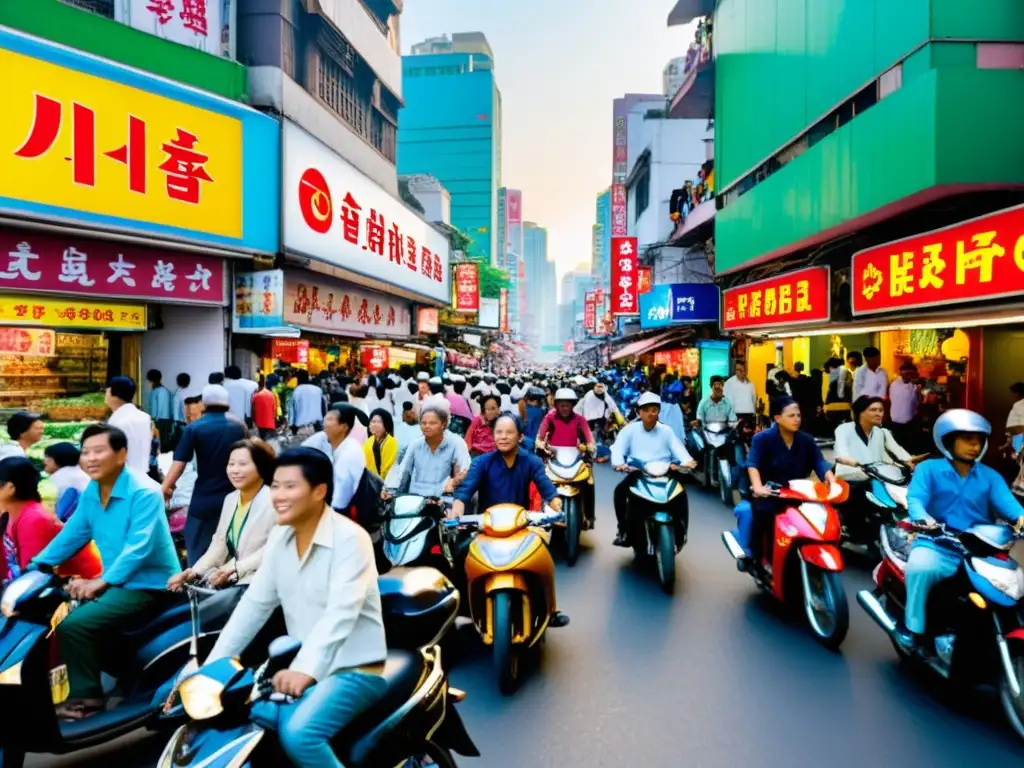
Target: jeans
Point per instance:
(198, 535)
(926, 567)
(752, 518)
(307, 725)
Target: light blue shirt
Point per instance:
(658, 444)
(349, 465)
(240, 392)
(423, 471)
(307, 406)
(710, 412)
(937, 491)
(131, 534)
(179, 404)
(161, 403)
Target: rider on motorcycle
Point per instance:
(645, 440)
(715, 408)
(597, 406)
(959, 491)
(562, 427)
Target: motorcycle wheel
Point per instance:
(1013, 706)
(506, 659)
(11, 758)
(828, 613)
(573, 526)
(434, 755)
(665, 554)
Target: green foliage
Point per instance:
(492, 279)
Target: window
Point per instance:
(643, 192)
(890, 81)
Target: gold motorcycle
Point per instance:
(570, 471)
(510, 581)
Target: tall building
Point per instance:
(540, 288)
(450, 128)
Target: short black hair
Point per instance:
(864, 402)
(346, 416)
(233, 372)
(154, 375)
(184, 380)
(20, 472)
(489, 396)
(63, 454)
(855, 356)
(872, 352)
(215, 378)
(21, 422)
(262, 456)
(123, 388)
(779, 404)
(303, 376)
(316, 468)
(116, 437)
(717, 380)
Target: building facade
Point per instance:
(540, 288)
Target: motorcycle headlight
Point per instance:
(1009, 581)
(816, 515)
(200, 695)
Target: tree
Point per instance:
(408, 197)
(492, 279)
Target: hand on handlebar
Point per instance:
(846, 461)
(762, 492)
(1019, 525)
(625, 468)
(691, 464)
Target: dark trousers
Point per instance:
(623, 500)
(764, 511)
(165, 428)
(198, 535)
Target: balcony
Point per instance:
(695, 98)
(686, 11)
(692, 208)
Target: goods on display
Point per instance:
(52, 364)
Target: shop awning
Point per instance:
(644, 345)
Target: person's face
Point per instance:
(506, 436)
(649, 415)
(49, 465)
(377, 427)
(6, 495)
(294, 500)
(874, 361)
(242, 470)
(424, 388)
(431, 425)
(873, 415)
(491, 410)
(968, 446)
(33, 434)
(851, 363)
(741, 371)
(109, 400)
(409, 416)
(789, 419)
(908, 376)
(717, 389)
(332, 426)
(99, 460)
(564, 408)
(599, 390)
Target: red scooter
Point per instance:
(801, 560)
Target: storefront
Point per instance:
(122, 197)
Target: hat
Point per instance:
(123, 388)
(215, 394)
(435, 380)
(566, 394)
(20, 422)
(648, 398)
(422, 376)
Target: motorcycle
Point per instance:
(801, 557)
(137, 666)
(653, 518)
(975, 617)
(715, 443)
(886, 504)
(570, 471)
(510, 579)
(414, 723)
(412, 532)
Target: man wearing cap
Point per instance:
(25, 429)
(640, 442)
(136, 425)
(209, 440)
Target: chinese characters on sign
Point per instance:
(201, 24)
(794, 298)
(678, 303)
(259, 299)
(70, 313)
(589, 313)
(27, 341)
(645, 275)
(619, 224)
(290, 350)
(30, 261)
(324, 304)
(374, 359)
(467, 287)
(624, 287)
(620, 168)
(427, 320)
(974, 260)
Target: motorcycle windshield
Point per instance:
(408, 505)
(566, 457)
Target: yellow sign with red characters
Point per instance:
(76, 141)
(70, 313)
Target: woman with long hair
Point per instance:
(381, 449)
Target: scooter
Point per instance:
(412, 532)
(801, 558)
(570, 471)
(975, 617)
(414, 723)
(137, 664)
(653, 517)
(510, 578)
(886, 504)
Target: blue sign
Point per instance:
(679, 304)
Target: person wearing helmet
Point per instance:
(959, 491)
(642, 441)
(532, 409)
(562, 427)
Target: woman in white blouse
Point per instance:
(865, 441)
(246, 520)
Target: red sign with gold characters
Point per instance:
(794, 298)
(290, 350)
(589, 313)
(971, 261)
(374, 359)
(467, 287)
(624, 287)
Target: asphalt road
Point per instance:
(713, 676)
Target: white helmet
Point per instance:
(566, 394)
(648, 398)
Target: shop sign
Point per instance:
(27, 341)
(335, 214)
(590, 315)
(427, 320)
(330, 306)
(290, 350)
(515, 206)
(645, 279)
(795, 298)
(201, 24)
(503, 310)
(373, 359)
(679, 303)
(490, 313)
(686, 362)
(624, 296)
(974, 260)
(107, 146)
(620, 228)
(70, 313)
(259, 299)
(30, 261)
(467, 287)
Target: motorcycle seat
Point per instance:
(174, 615)
(403, 672)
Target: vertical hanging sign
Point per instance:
(625, 285)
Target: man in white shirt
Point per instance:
(25, 429)
(240, 391)
(739, 390)
(319, 568)
(349, 460)
(137, 425)
(871, 379)
(1015, 419)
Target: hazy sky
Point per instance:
(559, 65)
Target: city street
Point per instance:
(709, 677)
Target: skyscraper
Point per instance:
(450, 128)
(540, 288)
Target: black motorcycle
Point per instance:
(414, 724)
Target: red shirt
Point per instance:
(564, 434)
(480, 436)
(34, 529)
(264, 409)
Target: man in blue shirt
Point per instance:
(715, 408)
(960, 492)
(208, 440)
(161, 406)
(123, 513)
(307, 406)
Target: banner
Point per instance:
(624, 296)
(974, 260)
(490, 313)
(259, 299)
(27, 341)
(427, 320)
(290, 350)
(794, 298)
(515, 206)
(679, 304)
(503, 311)
(322, 304)
(373, 359)
(467, 287)
(70, 313)
(200, 24)
(590, 315)
(620, 227)
(645, 279)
